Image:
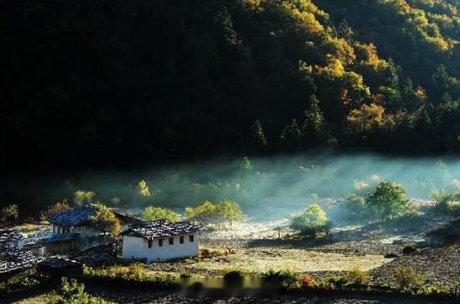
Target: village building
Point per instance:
(76, 220)
(14, 256)
(73, 231)
(160, 241)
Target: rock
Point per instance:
(409, 250)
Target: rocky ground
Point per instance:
(440, 266)
(430, 242)
(158, 298)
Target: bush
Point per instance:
(408, 278)
(313, 221)
(448, 202)
(357, 276)
(280, 279)
(207, 253)
(134, 273)
(388, 201)
(384, 201)
(356, 206)
(74, 293)
(9, 215)
(338, 281)
(234, 279)
(156, 213)
(440, 290)
(307, 281)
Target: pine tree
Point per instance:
(291, 136)
(446, 98)
(407, 94)
(258, 133)
(314, 127)
(394, 70)
(441, 80)
(344, 30)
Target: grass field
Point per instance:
(218, 261)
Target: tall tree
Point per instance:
(291, 137)
(314, 126)
(258, 133)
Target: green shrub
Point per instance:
(384, 201)
(388, 201)
(280, 279)
(74, 293)
(448, 202)
(313, 221)
(356, 206)
(429, 289)
(134, 273)
(357, 276)
(157, 213)
(338, 281)
(408, 278)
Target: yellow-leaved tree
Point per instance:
(105, 220)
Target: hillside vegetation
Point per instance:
(111, 82)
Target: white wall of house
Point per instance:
(85, 231)
(138, 248)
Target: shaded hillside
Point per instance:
(121, 82)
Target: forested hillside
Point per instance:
(94, 82)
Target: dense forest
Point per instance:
(113, 82)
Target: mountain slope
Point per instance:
(118, 82)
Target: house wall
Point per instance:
(137, 248)
(85, 231)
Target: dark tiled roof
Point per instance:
(73, 217)
(17, 260)
(8, 238)
(161, 228)
(11, 258)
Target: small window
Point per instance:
(160, 243)
(191, 238)
(181, 240)
(171, 241)
(150, 244)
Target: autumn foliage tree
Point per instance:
(105, 220)
(246, 70)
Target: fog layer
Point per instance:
(263, 186)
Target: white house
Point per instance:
(160, 241)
